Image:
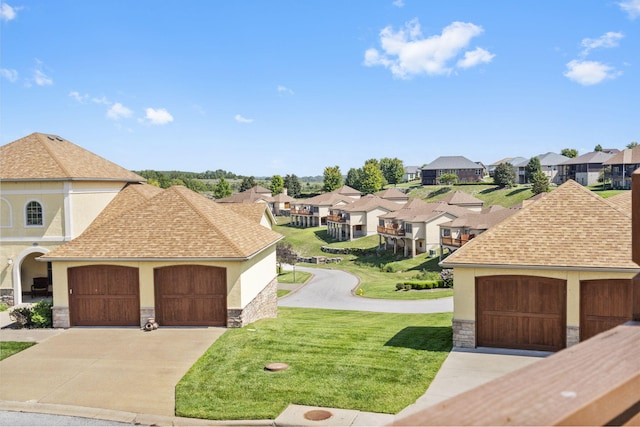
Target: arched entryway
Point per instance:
(25, 269)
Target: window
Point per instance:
(408, 228)
(33, 213)
(446, 232)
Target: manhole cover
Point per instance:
(318, 415)
(277, 366)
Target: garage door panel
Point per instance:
(191, 295)
(523, 312)
(604, 304)
(104, 295)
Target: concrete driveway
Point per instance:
(331, 289)
(123, 369)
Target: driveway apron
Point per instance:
(123, 369)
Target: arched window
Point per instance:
(33, 213)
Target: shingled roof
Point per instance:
(131, 196)
(175, 224)
(370, 202)
(571, 227)
(40, 157)
(462, 198)
(248, 196)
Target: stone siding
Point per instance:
(573, 335)
(464, 333)
(61, 317)
(6, 296)
(145, 314)
(263, 306)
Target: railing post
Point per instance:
(635, 240)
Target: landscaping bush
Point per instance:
(446, 276)
(39, 315)
(420, 285)
(3, 306)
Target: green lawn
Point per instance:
(375, 362)
(9, 348)
(490, 194)
(288, 277)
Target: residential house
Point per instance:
(464, 200)
(549, 164)
(393, 195)
(459, 231)
(411, 173)
(586, 169)
(282, 203)
(511, 160)
(256, 194)
(313, 212)
(115, 251)
(623, 164)
(555, 273)
(51, 190)
(360, 218)
(463, 168)
(414, 228)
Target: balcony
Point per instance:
(456, 242)
(336, 218)
(300, 212)
(392, 229)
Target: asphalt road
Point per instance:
(331, 289)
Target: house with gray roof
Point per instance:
(411, 173)
(586, 169)
(549, 164)
(623, 164)
(463, 168)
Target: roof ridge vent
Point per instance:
(59, 139)
(50, 137)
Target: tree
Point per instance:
(504, 175)
(632, 144)
(604, 176)
(332, 178)
(247, 183)
(532, 167)
(539, 183)
(392, 169)
(448, 178)
(354, 178)
(286, 255)
(277, 184)
(569, 152)
(598, 148)
(292, 184)
(372, 179)
(222, 189)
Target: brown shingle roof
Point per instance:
(50, 157)
(128, 198)
(569, 227)
(176, 224)
(393, 194)
(628, 156)
(461, 198)
(622, 200)
(247, 196)
(369, 202)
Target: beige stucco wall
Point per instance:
(464, 287)
(87, 200)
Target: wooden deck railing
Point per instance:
(301, 211)
(596, 382)
(456, 242)
(336, 218)
(391, 230)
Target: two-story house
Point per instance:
(586, 169)
(313, 212)
(463, 168)
(360, 218)
(549, 164)
(623, 164)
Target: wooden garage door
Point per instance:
(191, 295)
(604, 304)
(522, 312)
(104, 295)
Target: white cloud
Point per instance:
(285, 90)
(407, 52)
(589, 73)
(475, 57)
(103, 101)
(606, 40)
(241, 119)
(158, 116)
(78, 97)
(398, 3)
(632, 7)
(41, 79)
(9, 74)
(7, 13)
(118, 111)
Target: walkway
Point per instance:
(332, 289)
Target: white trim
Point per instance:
(2, 199)
(64, 191)
(24, 211)
(10, 239)
(17, 266)
(446, 264)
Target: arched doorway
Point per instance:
(25, 269)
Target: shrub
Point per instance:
(446, 276)
(3, 307)
(38, 315)
(399, 286)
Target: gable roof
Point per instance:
(461, 198)
(281, 198)
(347, 191)
(628, 156)
(417, 210)
(571, 227)
(481, 220)
(247, 196)
(622, 200)
(593, 157)
(253, 211)
(175, 224)
(128, 198)
(49, 157)
(452, 162)
(370, 202)
(393, 194)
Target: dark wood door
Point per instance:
(104, 295)
(604, 304)
(191, 295)
(522, 312)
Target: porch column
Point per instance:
(413, 248)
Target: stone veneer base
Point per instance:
(464, 333)
(61, 317)
(573, 335)
(263, 306)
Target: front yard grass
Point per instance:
(288, 277)
(9, 348)
(375, 362)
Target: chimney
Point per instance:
(284, 191)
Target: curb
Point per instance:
(122, 416)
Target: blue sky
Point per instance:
(270, 87)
